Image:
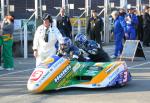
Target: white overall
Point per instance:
(45, 49)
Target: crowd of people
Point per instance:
(130, 25)
(59, 40)
(127, 25)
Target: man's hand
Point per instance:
(126, 35)
(35, 53)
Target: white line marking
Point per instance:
(15, 72)
(26, 62)
(10, 85)
(139, 68)
(146, 51)
(139, 65)
(13, 77)
(12, 81)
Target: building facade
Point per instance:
(21, 6)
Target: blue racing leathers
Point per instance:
(131, 26)
(94, 51)
(70, 53)
(119, 30)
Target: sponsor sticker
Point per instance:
(94, 85)
(52, 60)
(125, 76)
(110, 69)
(62, 74)
(49, 60)
(45, 76)
(57, 64)
(76, 67)
(98, 64)
(36, 75)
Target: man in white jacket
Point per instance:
(45, 39)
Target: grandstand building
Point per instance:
(21, 6)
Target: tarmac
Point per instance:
(13, 87)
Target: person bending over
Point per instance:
(68, 50)
(91, 49)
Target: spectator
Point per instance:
(122, 13)
(131, 21)
(63, 24)
(45, 39)
(146, 27)
(122, 16)
(95, 27)
(91, 49)
(119, 30)
(7, 37)
(139, 27)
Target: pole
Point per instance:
(36, 12)
(88, 7)
(87, 11)
(65, 5)
(106, 20)
(138, 5)
(26, 36)
(79, 25)
(25, 41)
(40, 7)
(7, 5)
(2, 9)
(36, 9)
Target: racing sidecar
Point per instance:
(57, 72)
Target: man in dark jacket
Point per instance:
(146, 27)
(94, 27)
(63, 24)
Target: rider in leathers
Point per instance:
(91, 49)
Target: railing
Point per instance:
(25, 32)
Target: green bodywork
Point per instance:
(76, 73)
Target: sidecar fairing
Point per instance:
(58, 72)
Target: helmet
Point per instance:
(65, 41)
(80, 38)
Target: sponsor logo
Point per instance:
(57, 63)
(94, 85)
(91, 72)
(44, 76)
(36, 75)
(37, 85)
(62, 74)
(110, 69)
(98, 64)
(49, 60)
(114, 74)
(77, 65)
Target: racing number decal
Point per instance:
(36, 75)
(125, 76)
